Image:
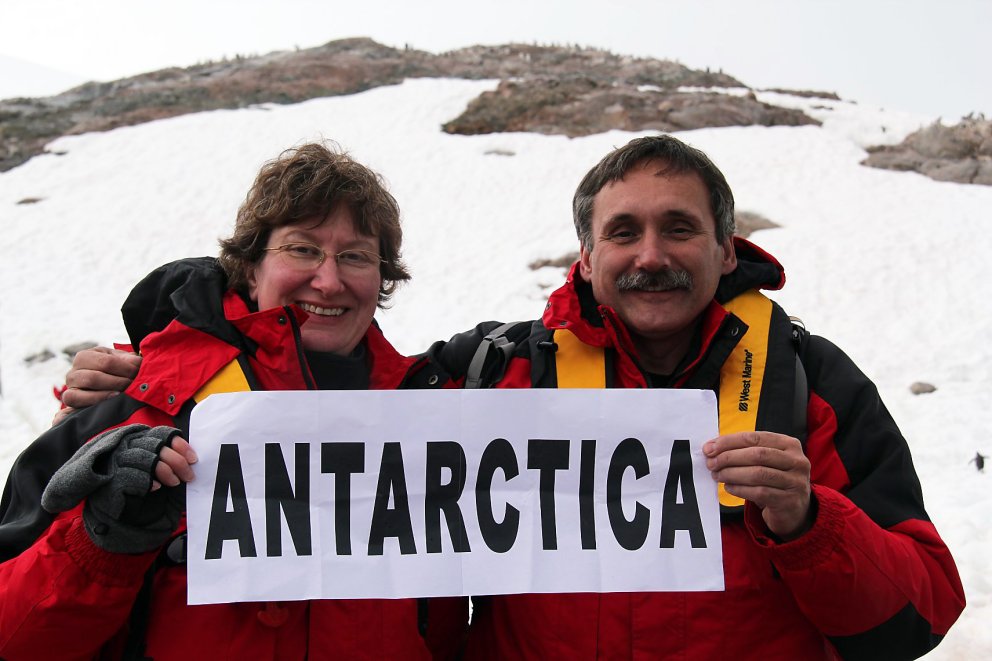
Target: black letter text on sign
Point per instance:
(279, 495)
(444, 497)
(498, 455)
(630, 534)
(235, 524)
(547, 456)
(395, 521)
(685, 515)
(342, 459)
(587, 485)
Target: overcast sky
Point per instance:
(926, 56)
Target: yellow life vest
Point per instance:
(230, 378)
(579, 365)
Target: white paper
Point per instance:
(554, 423)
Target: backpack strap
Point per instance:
(801, 391)
(172, 554)
(492, 356)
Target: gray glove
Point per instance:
(113, 472)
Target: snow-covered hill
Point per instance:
(888, 265)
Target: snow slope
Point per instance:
(883, 263)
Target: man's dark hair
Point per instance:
(677, 157)
(310, 182)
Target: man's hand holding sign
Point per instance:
(769, 470)
(309, 495)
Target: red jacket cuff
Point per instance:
(812, 547)
(111, 569)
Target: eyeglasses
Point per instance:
(307, 257)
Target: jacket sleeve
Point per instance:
(22, 520)
(872, 574)
(64, 597)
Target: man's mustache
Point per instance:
(664, 280)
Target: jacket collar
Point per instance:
(756, 269)
(389, 367)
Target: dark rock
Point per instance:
(583, 106)
(39, 357)
(71, 350)
(961, 153)
(807, 94)
(564, 262)
(747, 222)
(922, 388)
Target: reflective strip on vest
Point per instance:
(579, 365)
(231, 378)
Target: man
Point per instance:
(830, 554)
(833, 554)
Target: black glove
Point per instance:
(113, 472)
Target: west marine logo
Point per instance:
(745, 395)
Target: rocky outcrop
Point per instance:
(960, 153)
(748, 222)
(340, 67)
(600, 90)
(806, 94)
(583, 106)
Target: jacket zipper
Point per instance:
(300, 356)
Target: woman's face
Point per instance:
(340, 294)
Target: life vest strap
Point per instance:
(577, 364)
(230, 378)
(580, 365)
(742, 374)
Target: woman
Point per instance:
(288, 305)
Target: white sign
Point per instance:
(388, 494)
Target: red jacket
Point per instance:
(64, 598)
(872, 578)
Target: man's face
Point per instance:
(655, 258)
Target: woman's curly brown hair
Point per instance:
(309, 182)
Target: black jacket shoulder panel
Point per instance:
(190, 290)
(868, 441)
(754, 271)
(22, 519)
